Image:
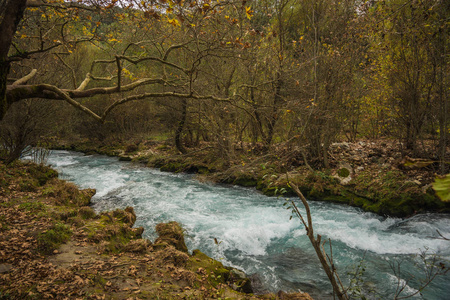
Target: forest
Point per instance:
(232, 74)
(344, 101)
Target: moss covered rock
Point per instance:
(172, 234)
(126, 216)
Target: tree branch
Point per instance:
(63, 95)
(327, 266)
(67, 5)
(85, 82)
(24, 79)
(139, 60)
(20, 92)
(74, 79)
(161, 95)
(22, 55)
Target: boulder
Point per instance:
(344, 173)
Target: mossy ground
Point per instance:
(54, 246)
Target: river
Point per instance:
(255, 232)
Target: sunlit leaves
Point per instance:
(248, 12)
(441, 186)
(174, 22)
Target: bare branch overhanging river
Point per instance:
(255, 232)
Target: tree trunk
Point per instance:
(443, 100)
(4, 105)
(10, 18)
(276, 105)
(258, 124)
(179, 130)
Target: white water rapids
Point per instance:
(256, 234)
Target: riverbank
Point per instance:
(373, 175)
(53, 245)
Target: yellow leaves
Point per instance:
(249, 12)
(312, 103)
(23, 36)
(121, 17)
(86, 32)
(128, 74)
(174, 22)
(111, 40)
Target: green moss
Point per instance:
(32, 206)
(54, 237)
(222, 273)
(125, 158)
(343, 172)
(126, 216)
(215, 271)
(113, 229)
(42, 173)
(172, 234)
(245, 180)
(172, 167)
(86, 213)
(63, 213)
(203, 170)
(68, 194)
(28, 185)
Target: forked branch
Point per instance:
(325, 260)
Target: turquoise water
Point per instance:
(256, 234)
